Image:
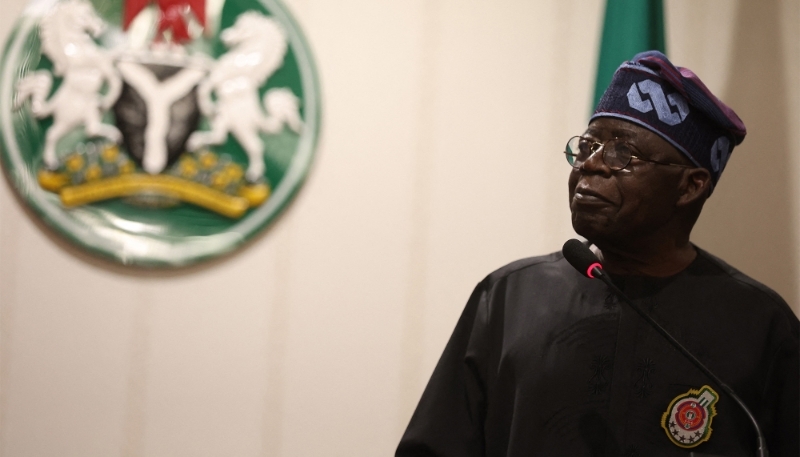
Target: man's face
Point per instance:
(619, 207)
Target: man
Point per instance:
(546, 362)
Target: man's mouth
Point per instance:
(584, 195)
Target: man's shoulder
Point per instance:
(737, 278)
(552, 263)
(740, 283)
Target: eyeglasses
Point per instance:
(616, 153)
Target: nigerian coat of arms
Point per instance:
(157, 132)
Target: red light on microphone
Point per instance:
(592, 267)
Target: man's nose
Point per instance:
(595, 163)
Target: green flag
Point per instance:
(630, 27)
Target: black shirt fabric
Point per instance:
(545, 362)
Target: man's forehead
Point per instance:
(616, 128)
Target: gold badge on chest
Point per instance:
(687, 419)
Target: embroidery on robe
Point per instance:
(687, 420)
(610, 301)
(598, 382)
(630, 452)
(643, 386)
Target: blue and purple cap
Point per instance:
(672, 102)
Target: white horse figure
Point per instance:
(66, 33)
(257, 46)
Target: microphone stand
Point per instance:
(598, 273)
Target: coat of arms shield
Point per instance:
(157, 132)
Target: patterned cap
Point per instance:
(672, 102)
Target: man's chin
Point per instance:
(593, 227)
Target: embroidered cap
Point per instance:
(672, 102)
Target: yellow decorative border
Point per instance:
(712, 411)
(233, 206)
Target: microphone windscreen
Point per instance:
(580, 256)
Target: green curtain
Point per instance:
(629, 27)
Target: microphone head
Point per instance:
(581, 257)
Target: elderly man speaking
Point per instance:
(547, 362)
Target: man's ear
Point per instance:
(695, 185)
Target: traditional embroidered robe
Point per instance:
(546, 362)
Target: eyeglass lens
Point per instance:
(616, 153)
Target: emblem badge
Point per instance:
(157, 132)
(687, 420)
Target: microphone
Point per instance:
(582, 259)
(588, 264)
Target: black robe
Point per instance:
(545, 362)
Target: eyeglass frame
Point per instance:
(602, 147)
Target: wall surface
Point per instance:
(440, 161)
